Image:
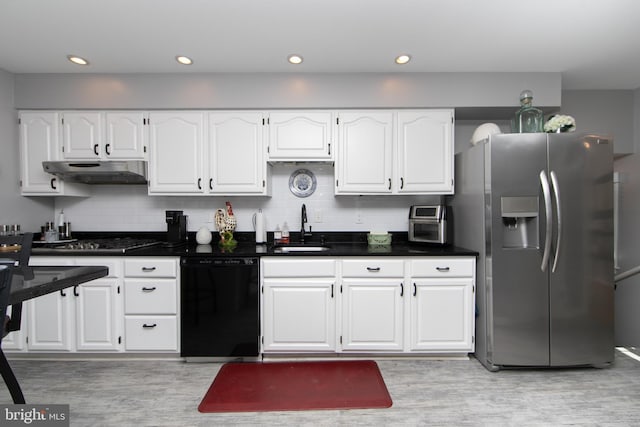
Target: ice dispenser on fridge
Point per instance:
(519, 221)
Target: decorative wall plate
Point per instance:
(302, 183)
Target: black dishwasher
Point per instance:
(220, 307)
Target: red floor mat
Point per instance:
(296, 386)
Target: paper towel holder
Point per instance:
(260, 227)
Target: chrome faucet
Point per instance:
(303, 221)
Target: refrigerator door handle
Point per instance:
(556, 193)
(546, 191)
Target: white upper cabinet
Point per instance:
(424, 152)
(93, 135)
(236, 153)
(364, 159)
(82, 135)
(126, 135)
(202, 153)
(176, 141)
(300, 135)
(40, 141)
(403, 152)
(230, 152)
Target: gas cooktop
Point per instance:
(97, 246)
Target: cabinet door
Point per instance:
(82, 136)
(96, 315)
(372, 315)
(298, 315)
(125, 135)
(300, 135)
(365, 153)
(39, 141)
(236, 153)
(50, 317)
(176, 152)
(424, 152)
(442, 315)
(50, 322)
(15, 340)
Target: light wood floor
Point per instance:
(424, 392)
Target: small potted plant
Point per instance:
(560, 123)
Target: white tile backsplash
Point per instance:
(129, 208)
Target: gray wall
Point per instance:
(474, 95)
(608, 112)
(617, 113)
(15, 209)
(628, 291)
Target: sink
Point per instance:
(301, 248)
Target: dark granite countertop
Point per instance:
(339, 244)
(32, 282)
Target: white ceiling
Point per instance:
(594, 43)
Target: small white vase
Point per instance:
(203, 236)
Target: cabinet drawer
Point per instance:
(151, 333)
(298, 267)
(443, 267)
(373, 267)
(150, 296)
(150, 267)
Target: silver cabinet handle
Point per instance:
(556, 192)
(442, 269)
(148, 269)
(549, 217)
(373, 269)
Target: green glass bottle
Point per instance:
(527, 119)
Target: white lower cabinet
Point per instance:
(50, 320)
(14, 341)
(298, 305)
(98, 310)
(442, 305)
(151, 333)
(381, 305)
(372, 294)
(151, 304)
(82, 318)
(133, 308)
(301, 315)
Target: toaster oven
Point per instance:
(430, 224)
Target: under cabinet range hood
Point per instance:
(99, 172)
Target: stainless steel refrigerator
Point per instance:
(539, 209)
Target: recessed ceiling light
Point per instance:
(77, 60)
(294, 59)
(184, 60)
(403, 59)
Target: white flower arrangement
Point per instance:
(560, 122)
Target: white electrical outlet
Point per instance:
(358, 217)
(317, 215)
